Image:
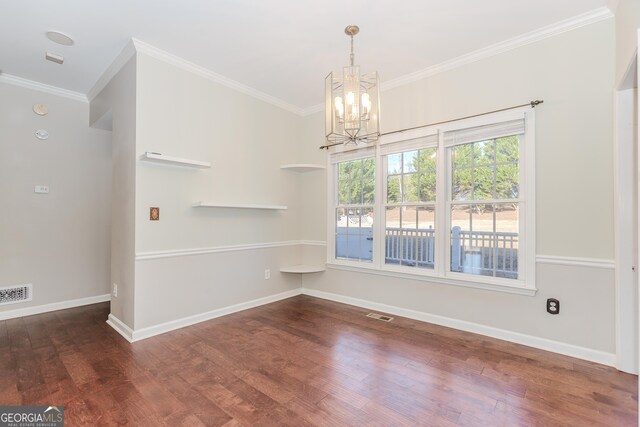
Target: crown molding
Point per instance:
(169, 58)
(41, 87)
(313, 109)
(127, 52)
(560, 27)
(135, 45)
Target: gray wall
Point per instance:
(59, 241)
(118, 100)
(574, 73)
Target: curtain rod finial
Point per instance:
(536, 102)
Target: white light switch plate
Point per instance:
(42, 189)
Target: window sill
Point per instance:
(518, 289)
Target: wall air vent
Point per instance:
(15, 294)
(380, 317)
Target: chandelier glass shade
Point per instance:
(352, 107)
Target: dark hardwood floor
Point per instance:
(301, 361)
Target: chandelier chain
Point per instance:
(351, 56)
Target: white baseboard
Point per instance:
(120, 327)
(148, 332)
(45, 308)
(515, 337)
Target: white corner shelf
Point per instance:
(303, 268)
(240, 206)
(302, 167)
(176, 161)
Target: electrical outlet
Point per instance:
(41, 189)
(553, 306)
(267, 274)
(114, 292)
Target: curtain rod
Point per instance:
(532, 104)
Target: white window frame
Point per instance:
(407, 144)
(332, 196)
(526, 282)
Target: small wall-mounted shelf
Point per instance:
(302, 167)
(229, 206)
(303, 268)
(176, 161)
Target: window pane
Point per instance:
(427, 182)
(354, 234)
(409, 217)
(507, 181)
(394, 163)
(341, 233)
(484, 239)
(355, 193)
(409, 161)
(368, 168)
(507, 149)
(492, 172)
(426, 236)
(354, 224)
(393, 189)
(462, 184)
(409, 187)
(368, 191)
(409, 236)
(355, 172)
(428, 159)
(483, 183)
(460, 223)
(507, 228)
(461, 155)
(484, 152)
(343, 171)
(411, 176)
(393, 232)
(427, 177)
(344, 183)
(343, 193)
(356, 182)
(353, 221)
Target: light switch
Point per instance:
(42, 189)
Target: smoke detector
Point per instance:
(58, 37)
(40, 109)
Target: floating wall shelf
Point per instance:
(176, 161)
(303, 268)
(302, 167)
(229, 206)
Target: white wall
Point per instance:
(59, 241)
(186, 115)
(627, 25)
(118, 100)
(574, 74)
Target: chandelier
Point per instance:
(352, 109)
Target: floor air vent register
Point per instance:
(380, 317)
(15, 294)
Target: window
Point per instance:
(410, 208)
(354, 211)
(455, 203)
(484, 206)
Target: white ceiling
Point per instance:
(283, 48)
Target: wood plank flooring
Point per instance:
(300, 362)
